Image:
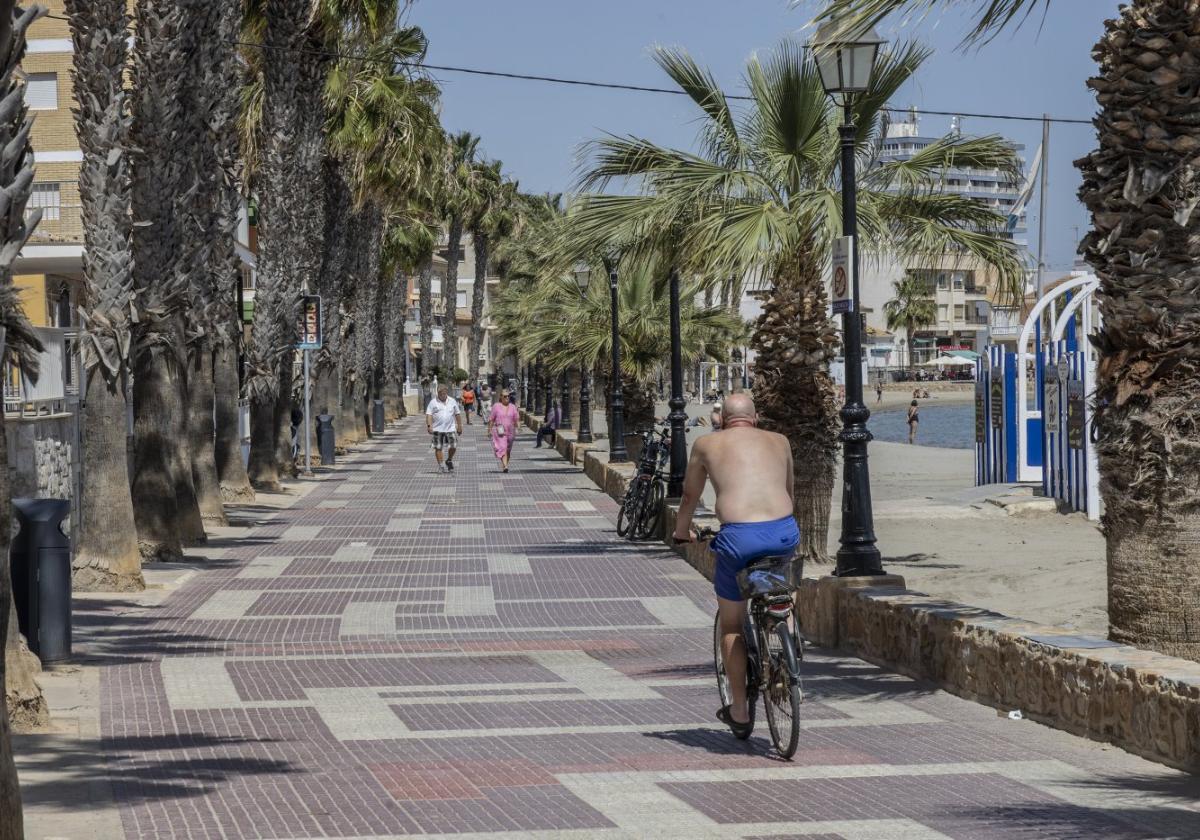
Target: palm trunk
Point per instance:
(425, 304)
(16, 341)
(478, 292)
(450, 299)
(1140, 186)
(106, 555)
(156, 417)
(283, 419)
(263, 467)
(795, 395)
(231, 468)
(202, 435)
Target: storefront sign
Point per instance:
(1075, 425)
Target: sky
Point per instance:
(537, 128)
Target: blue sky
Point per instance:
(536, 128)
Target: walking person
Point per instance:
(468, 401)
(443, 420)
(878, 393)
(550, 424)
(914, 419)
(751, 470)
(502, 426)
(483, 405)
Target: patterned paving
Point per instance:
(404, 652)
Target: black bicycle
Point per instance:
(641, 509)
(773, 651)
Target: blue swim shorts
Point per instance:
(738, 544)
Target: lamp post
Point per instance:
(845, 60)
(616, 444)
(549, 400)
(535, 398)
(678, 417)
(583, 278)
(564, 391)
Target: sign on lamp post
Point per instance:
(842, 287)
(310, 339)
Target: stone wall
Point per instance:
(40, 455)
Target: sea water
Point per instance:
(951, 426)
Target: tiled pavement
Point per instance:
(404, 652)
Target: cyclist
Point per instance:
(751, 472)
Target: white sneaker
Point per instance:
(441, 468)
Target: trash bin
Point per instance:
(325, 438)
(41, 576)
(377, 420)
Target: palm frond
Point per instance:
(992, 17)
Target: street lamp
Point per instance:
(616, 434)
(845, 59)
(583, 277)
(564, 391)
(677, 417)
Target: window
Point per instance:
(959, 312)
(48, 199)
(941, 281)
(41, 91)
(62, 307)
(942, 310)
(461, 301)
(958, 281)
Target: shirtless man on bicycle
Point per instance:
(751, 472)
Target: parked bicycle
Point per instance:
(773, 649)
(641, 509)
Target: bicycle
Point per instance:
(773, 652)
(641, 508)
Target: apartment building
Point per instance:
(967, 295)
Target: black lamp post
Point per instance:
(678, 417)
(549, 382)
(616, 445)
(564, 391)
(583, 277)
(536, 396)
(845, 59)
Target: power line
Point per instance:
(558, 80)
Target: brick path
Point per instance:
(404, 652)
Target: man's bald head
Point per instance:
(738, 407)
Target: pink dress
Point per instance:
(504, 417)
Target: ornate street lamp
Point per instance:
(564, 390)
(616, 444)
(845, 59)
(583, 278)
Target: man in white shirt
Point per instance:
(443, 420)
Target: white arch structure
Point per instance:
(1025, 470)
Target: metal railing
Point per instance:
(57, 382)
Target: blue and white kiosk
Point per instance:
(1049, 442)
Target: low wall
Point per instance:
(1144, 702)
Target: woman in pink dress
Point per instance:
(502, 426)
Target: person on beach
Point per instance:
(751, 471)
(502, 426)
(468, 401)
(443, 420)
(913, 420)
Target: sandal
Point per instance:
(741, 731)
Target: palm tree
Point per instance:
(913, 308)
(460, 194)
(762, 198)
(21, 695)
(491, 220)
(550, 320)
(163, 141)
(106, 556)
(1139, 186)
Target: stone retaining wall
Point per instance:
(1144, 702)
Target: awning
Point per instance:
(966, 354)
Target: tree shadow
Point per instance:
(120, 631)
(66, 774)
(1067, 819)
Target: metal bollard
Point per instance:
(377, 420)
(41, 575)
(326, 439)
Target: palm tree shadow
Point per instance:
(127, 769)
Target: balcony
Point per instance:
(57, 383)
(60, 225)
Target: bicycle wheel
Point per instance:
(782, 696)
(651, 511)
(723, 689)
(628, 516)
